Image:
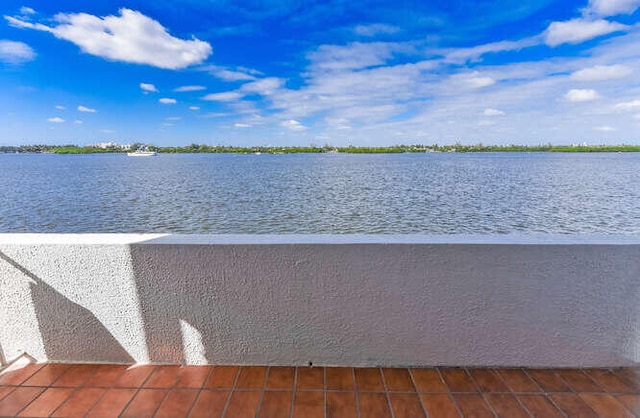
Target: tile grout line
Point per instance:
(544, 394)
(491, 408)
(517, 396)
(528, 373)
(574, 392)
(137, 390)
(535, 382)
(480, 392)
(417, 392)
(615, 399)
(386, 392)
(44, 388)
(293, 392)
(556, 406)
(31, 401)
(624, 405)
(204, 382)
(324, 390)
(505, 383)
(485, 393)
(11, 389)
(169, 389)
(523, 406)
(629, 382)
(473, 381)
(605, 394)
(75, 390)
(355, 390)
(155, 411)
(233, 386)
(593, 380)
(571, 386)
(453, 398)
(107, 389)
(621, 380)
(60, 376)
(264, 388)
(30, 375)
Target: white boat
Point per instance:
(142, 153)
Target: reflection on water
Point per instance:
(433, 193)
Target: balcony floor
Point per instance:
(99, 390)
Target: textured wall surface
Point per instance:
(332, 300)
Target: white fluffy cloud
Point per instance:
(231, 74)
(149, 88)
(242, 125)
(579, 30)
(194, 107)
(56, 120)
(493, 112)
(353, 56)
(605, 128)
(226, 96)
(15, 53)
(612, 7)
(473, 80)
(60, 107)
(26, 10)
(189, 88)
(293, 125)
(86, 109)
(77, 122)
(167, 101)
(581, 95)
(601, 72)
(461, 55)
(424, 99)
(264, 86)
(627, 106)
(130, 37)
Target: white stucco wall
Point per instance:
(332, 300)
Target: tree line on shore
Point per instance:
(202, 148)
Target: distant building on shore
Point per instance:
(107, 145)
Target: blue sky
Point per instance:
(319, 72)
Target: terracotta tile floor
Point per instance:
(97, 390)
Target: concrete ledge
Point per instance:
(330, 239)
(557, 301)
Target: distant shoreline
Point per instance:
(396, 149)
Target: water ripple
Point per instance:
(497, 193)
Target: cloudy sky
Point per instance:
(341, 72)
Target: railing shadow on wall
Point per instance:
(68, 330)
(212, 305)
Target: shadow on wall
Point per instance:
(68, 330)
(348, 305)
(255, 304)
(425, 305)
(180, 301)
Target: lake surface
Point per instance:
(436, 193)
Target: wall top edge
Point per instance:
(335, 239)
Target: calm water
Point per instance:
(332, 193)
